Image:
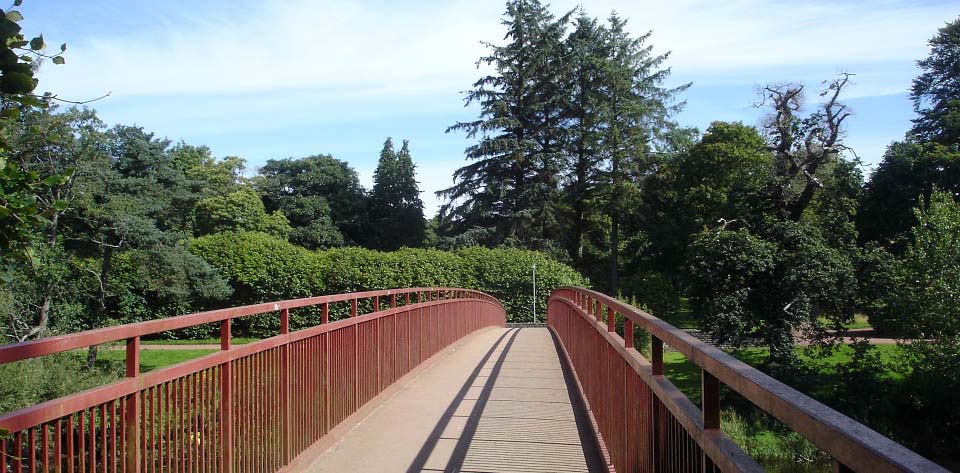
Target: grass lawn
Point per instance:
(152, 359)
(686, 375)
(201, 341)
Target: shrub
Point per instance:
(262, 268)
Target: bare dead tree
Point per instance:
(802, 145)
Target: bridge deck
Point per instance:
(499, 401)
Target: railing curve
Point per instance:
(253, 407)
(646, 424)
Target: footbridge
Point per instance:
(419, 380)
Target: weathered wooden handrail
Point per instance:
(675, 431)
(253, 407)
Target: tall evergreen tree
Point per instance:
(936, 91)
(587, 52)
(636, 113)
(396, 211)
(510, 192)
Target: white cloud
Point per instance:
(399, 47)
(228, 67)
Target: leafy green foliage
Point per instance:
(925, 299)
(723, 177)
(240, 210)
(262, 268)
(20, 210)
(904, 180)
(744, 285)
(320, 196)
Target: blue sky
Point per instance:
(281, 78)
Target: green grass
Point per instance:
(152, 359)
(201, 341)
(859, 321)
(770, 443)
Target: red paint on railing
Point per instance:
(250, 408)
(645, 424)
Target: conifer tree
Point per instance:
(586, 50)
(635, 115)
(510, 192)
(396, 209)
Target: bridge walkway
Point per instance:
(500, 400)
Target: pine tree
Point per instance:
(635, 116)
(396, 210)
(586, 50)
(510, 193)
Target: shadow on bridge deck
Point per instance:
(500, 401)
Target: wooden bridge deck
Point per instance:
(499, 401)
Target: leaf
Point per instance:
(14, 15)
(53, 180)
(36, 44)
(63, 47)
(26, 58)
(59, 60)
(17, 3)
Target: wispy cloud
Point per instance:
(410, 48)
(276, 78)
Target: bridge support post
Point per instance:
(132, 414)
(656, 363)
(286, 433)
(226, 403)
(710, 407)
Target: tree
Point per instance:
(320, 196)
(936, 91)
(71, 144)
(20, 211)
(636, 114)
(925, 300)
(723, 179)
(396, 211)
(240, 210)
(801, 146)
(904, 180)
(587, 49)
(510, 191)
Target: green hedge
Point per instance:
(263, 268)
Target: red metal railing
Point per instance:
(644, 423)
(246, 408)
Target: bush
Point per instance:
(262, 268)
(506, 273)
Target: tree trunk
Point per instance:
(105, 265)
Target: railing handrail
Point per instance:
(62, 343)
(55, 408)
(846, 440)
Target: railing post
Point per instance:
(628, 333)
(325, 313)
(393, 301)
(285, 394)
(226, 403)
(133, 408)
(376, 303)
(710, 407)
(353, 307)
(656, 365)
(656, 355)
(840, 467)
(611, 320)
